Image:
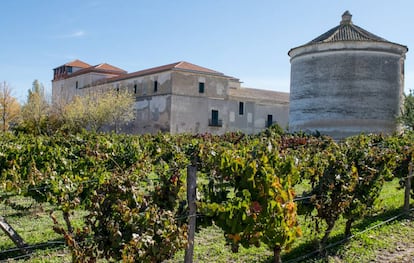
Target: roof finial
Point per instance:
(346, 18)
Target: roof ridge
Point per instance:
(352, 28)
(366, 33)
(107, 66)
(332, 36)
(184, 65)
(77, 62)
(172, 66)
(179, 63)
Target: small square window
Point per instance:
(201, 87)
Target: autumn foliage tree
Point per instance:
(97, 110)
(9, 107)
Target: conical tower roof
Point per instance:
(347, 31)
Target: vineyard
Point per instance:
(126, 198)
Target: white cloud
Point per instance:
(75, 34)
(79, 33)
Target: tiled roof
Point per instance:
(188, 66)
(151, 70)
(120, 74)
(346, 31)
(78, 64)
(182, 65)
(106, 66)
(100, 68)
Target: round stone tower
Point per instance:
(345, 82)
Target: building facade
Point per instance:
(178, 98)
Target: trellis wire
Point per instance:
(347, 238)
(297, 199)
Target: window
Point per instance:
(214, 117)
(241, 108)
(214, 121)
(201, 87)
(77, 85)
(269, 120)
(155, 86)
(135, 88)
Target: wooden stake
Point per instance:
(13, 235)
(191, 199)
(407, 195)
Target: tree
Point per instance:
(36, 110)
(407, 114)
(99, 109)
(123, 109)
(9, 107)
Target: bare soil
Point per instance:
(404, 252)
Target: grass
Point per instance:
(33, 223)
(210, 246)
(382, 244)
(388, 205)
(391, 242)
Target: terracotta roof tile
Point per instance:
(120, 74)
(106, 66)
(182, 65)
(78, 64)
(152, 70)
(188, 66)
(101, 68)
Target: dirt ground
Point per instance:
(403, 253)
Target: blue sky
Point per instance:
(242, 38)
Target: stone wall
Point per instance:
(342, 92)
(185, 101)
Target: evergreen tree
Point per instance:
(36, 110)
